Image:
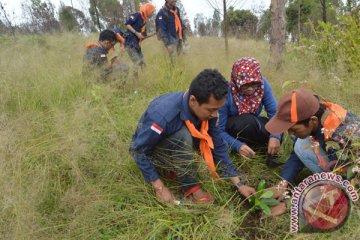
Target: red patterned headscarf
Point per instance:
(246, 71)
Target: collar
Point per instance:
(99, 44)
(185, 113)
(317, 133)
(168, 8)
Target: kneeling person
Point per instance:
(172, 125)
(95, 58)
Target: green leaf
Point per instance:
(285, 84)
(269, 201)
(332, 144)
(265, 209)
(267, 194)
(355, 146)
(349, 173)
(261, 186)
(252, 200)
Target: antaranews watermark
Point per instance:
(321, 202)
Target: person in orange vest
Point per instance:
(136, 33)
(95, 58)
(316, 126)
(170, 29)
(172, 126)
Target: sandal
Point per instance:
(189, 194)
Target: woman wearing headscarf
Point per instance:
(240, 122)
(136, 31)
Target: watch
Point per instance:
(239, 184)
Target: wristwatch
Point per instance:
(239, 184)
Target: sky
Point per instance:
(192, 7)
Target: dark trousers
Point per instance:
(175, 155)
(249, 129)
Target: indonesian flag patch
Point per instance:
(156, 128)
(160, 17)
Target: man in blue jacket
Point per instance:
(172, 125)
(170, 28)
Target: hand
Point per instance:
(246, 152)
(139, 35)
(163, 194)
(273, 146)
(246, 191)
(280, 189)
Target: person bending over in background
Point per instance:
(172, 125)
(96, 60)
(170, 29)
(316, 126)
(240, 122)
(136, 33)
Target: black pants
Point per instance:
(249, 129)
(176, 154)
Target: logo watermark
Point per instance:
(321, 202)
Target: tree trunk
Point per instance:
(299, 22)
(132, 6)
(226, 29)
(277, 33)
(97, 15)
(323, 8)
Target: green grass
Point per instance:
(65, 171)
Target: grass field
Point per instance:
(65, 171)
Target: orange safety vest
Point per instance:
(332, 118)
(206, 144)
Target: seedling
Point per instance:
(263, 200)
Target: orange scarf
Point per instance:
(92, 44)
(146, 10)
(206, 144)
(177, 23)
(333, 120)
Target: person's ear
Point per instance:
(314, 120)
(192, 100)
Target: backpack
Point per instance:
(121, 36)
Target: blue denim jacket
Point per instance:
(165, 116)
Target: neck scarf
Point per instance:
(206, 144)
(178, 26)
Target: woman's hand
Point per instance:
(246, 152)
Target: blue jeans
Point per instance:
(307, 156)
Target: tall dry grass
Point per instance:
(65, 171)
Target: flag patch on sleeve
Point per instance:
(156, 128)
(160, 17)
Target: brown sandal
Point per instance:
(189, 194)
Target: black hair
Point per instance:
(208, 83)
(318, 114)
(107, 35)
